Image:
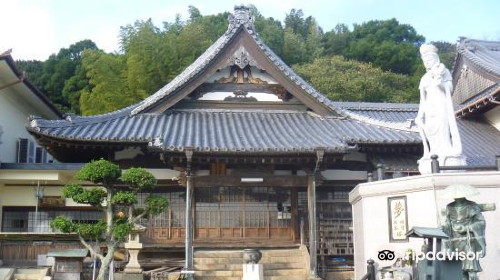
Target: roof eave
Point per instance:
(19, 73)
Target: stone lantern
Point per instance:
(133, 246)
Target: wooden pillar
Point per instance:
(313, 231)
(189, 222)
(189, 215)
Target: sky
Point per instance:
(34, 29)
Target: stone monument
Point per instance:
(465, 226)
(436, 118)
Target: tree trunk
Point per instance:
(104, 270)
(106, 261)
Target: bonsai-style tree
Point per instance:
(114, 189)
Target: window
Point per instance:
(30, 221)
(29, 152)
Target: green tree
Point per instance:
(271, 32)
(387, 44)
(349, 80)
(109, 90)
(33, 70)
(62, 68)
(302, 38)
(115, 229)
(447, 53)
(294, 49)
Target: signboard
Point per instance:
(52, 201)
(398, 219)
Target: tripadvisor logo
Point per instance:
(448, 255)
(387, 255)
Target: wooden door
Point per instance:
(243, 213)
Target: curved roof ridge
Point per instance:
(483, 55)
(403, 126)
(35, 121)
(195, 67)
(239, 110)
(374, 106)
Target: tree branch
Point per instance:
(90, 248)
(138, 217)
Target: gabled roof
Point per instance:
(476, 76)
(25, 86)
(239, 22)
(481, 56)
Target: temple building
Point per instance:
(250, 155)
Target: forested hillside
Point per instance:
(373, 61)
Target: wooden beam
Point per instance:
(231, 87)
(235, 181)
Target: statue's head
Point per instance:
(429, 55)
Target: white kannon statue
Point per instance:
(436, 117)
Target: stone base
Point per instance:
(129, 276)
(455, 161)
(425, 164)
(130, 270)
(253, 272)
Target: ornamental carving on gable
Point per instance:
(241, 72)
(241, 16)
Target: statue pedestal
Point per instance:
(133, 247)
(253, 272)
(425, 164)
(455, 161)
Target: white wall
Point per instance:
(493, 117)
(370, 213)
(14, 115)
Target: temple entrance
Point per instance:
(244, 213)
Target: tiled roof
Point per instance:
(396, 162)
(226, 131)
(482, 56)
(264, 131)
(484, 95)
(480, 140)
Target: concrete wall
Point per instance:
(370, 213)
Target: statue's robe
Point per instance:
(471, 239)
(436, 87)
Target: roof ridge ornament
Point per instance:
(241, 16)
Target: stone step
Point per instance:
(279, 264)
(288, 277)
(218, 278)
(233, 273)
(267, 266)
(239, 253)
(284, 272)
(295, 277)
(219, 273)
